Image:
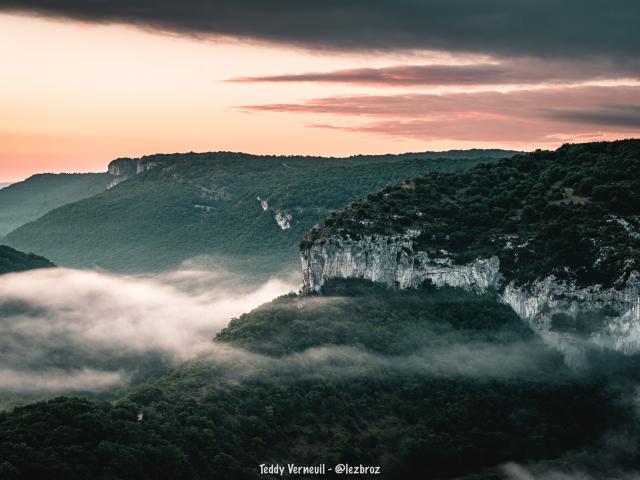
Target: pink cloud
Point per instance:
(540, 115)
(511, 132)
(506, 72)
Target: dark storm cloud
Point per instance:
(528, 71)
(626, 116)
(541, 28)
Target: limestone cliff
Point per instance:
(391, 260)
(564, 314)
(556, 234)
(122, 169)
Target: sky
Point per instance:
(84, 82)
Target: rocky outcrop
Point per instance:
(264, 205)
(283, 220)
(568, 317)
(392, 261)
(122, 169)
(123, 166)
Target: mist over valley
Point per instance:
(390, 239)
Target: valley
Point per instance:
(235, 211)
(469, 322)
(315, 240)
(23, 202)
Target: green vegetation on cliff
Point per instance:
(14, 261)
(573, 212)
(438, 381)
(206, 204)
(367, 315)
(435, 383)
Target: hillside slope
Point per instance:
(14, 261)
(247, 212)
(439, 381)
(396, 372)
(28, 200)
(556, 233)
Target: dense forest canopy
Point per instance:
(573, 212)
(12, 260)
(442, 381)
(190, 205)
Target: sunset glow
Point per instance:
(75, 95)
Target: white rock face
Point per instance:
(539, 302)
(393, 261)
(263, 204)
(144, 165)
(122, 169)
(115, 181)
(283, 220)
(630, 229)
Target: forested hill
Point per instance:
(573, 213)
(14, 261)
(247, 212)
(25, 201)
(438, 381)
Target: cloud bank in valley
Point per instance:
(63, 329)
(59, 380)
(472, 359)
(73, 330)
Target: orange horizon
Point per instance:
(78, 95)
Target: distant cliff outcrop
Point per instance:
(175, 207)
(122, 169)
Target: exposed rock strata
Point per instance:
(122, 169)
(565, 315)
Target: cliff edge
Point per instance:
(555, 234)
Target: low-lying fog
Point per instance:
(78, 330)
(65, 330)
